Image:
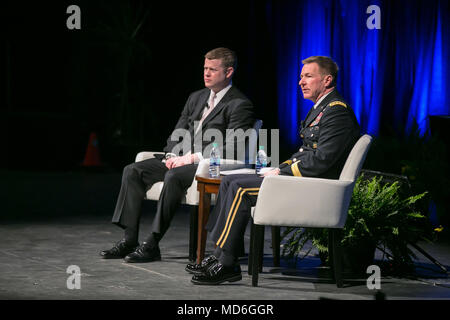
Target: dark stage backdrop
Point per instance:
(127, 72)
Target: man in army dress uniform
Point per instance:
(328, 132)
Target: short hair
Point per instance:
(227, 56)
(326, 66)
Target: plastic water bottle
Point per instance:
(261, 160)
(214, 162)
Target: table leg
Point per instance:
(203, 215)
(193, 225)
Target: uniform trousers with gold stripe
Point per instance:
(229, 219)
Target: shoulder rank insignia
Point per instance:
(337, 103)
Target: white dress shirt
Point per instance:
(218, 97)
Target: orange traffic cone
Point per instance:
(92, 157)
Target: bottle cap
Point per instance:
(261, 147)
(215, 144)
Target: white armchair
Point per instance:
(192, 195)
(307, 202)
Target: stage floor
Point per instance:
(36, 250)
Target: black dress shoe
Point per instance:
(144, 253)
(202, 267)
(120, 250)
(217, 274)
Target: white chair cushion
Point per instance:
(310, 202)
(155, 191)
(355, 159)
(318, 203)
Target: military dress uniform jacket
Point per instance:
(329, 132)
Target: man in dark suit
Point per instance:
(218, 107)
(329, 132)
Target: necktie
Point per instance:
(207, 110)
(211, 100)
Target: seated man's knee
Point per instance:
(171, 176)
(180, 176)
(229, 183)
(227, 180)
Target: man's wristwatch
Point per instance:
(170, 155)
(167, 156)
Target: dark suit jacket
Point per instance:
(234, 111)
(329, 132)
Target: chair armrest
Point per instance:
(300, 201)
(144, 155)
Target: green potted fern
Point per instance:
(379, 216)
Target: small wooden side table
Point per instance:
(205, 186)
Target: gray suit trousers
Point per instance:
(137, 179)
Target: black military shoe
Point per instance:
(217, 274)
(144, 253)
(202, 267)
(120, 250)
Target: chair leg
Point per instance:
(260, 253)
(258, 245)
(330, 253)
(337, 256)
(276, 246)
(250, 251)
(193, 233)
